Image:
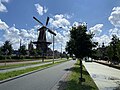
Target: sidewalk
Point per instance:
(24, 67)
(106, 78)
(22, 62)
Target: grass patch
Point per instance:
(73, 80)
(22, 64)
(19, 72)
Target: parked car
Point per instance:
(88, 59)
(74, 58)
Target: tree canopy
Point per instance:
(7, 48)
(80, 43)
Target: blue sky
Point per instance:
(16, 22)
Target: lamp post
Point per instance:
(61, 50)
(20, 48)
(53, 48)
(53, 44)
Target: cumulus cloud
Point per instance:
(2, 6)
(102, 39)
(62, 34)
(75, 23)
(114, 31)
(1, 43)
(40, 9)
(59, 40)
(3, 25)
(59, 21)
(114, 18)
(14, 35)
(97, 29)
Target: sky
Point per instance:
(16, 22)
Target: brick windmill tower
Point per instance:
(41, 43)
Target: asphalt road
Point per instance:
(105, 77)
(42, 80)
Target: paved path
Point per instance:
(24, 67)
(19, 62)
(23, 62)
(42, 80)
(106, 78)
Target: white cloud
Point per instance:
(59, 21)
(1, 43)
(3, 25)
(40, 9)
(62, 36)
(114, 18)
(2, 6)
(96, 29)
(59, 39)
(114, 31)
(14, 35)
(102, 39)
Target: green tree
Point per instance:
(7, 48)
(80, 43)
(23, 50)
(114, 47)
(118, 50)
(110, 52)
(0, 51)
(69, 47)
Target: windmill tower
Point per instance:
(41, 43)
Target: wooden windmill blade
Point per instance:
(51, 32)
(47, 21)
(38, 21)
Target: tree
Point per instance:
(22, 50)
(7, 48)
(69, 47)
(80, 43)
(118, 50)
(114, 44)
(110, 52)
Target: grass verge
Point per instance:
(73, 80)
(22, 64)
(11, 74)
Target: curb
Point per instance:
(25, 74)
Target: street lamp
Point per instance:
(61, 50)
(53, 48)
(54, 43)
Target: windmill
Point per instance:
(41, 43)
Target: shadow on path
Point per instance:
(71, 84)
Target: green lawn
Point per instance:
(19, 72)
(73, 80)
